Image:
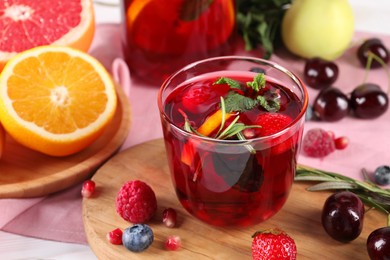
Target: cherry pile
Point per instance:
(367, 100)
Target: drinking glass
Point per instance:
(231, 182)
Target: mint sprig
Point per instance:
(235, 102)
(225, 131)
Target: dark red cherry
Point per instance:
(320, 73)
(375, 46)
(378, 244)
(331, 105)
(368, 101)
(342, 216)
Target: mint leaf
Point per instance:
(231, 82)
(269, 105)
(257, 83)
(235, 102)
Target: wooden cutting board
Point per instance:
(300, 217)
(27, 173)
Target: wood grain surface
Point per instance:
(27, 173)
(300, 217)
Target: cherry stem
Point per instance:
(372, 56)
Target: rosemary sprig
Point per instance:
(371, 194)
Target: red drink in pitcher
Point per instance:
(162, 36)
(232, 139)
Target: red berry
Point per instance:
(169, 217)
(198, 99)
(173, 243)
(341, 142)
(88, 188)
(115, 236)
(136, 202)
(271, 123)
(318, 143)
(273, 244)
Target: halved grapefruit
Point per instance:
(25, 24)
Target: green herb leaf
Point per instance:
(371, 194)
(257, 83)
(231, 82)
(238, 103)
(259, 22)
(269, 105)
(192, 9)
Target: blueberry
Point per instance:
(257, 70)
(382, 175)
(137, 238)
(309, 113)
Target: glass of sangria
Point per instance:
(232, 128)
(160, 36)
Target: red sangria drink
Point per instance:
(232, 129)
(161, 36)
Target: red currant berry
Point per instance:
(88, 188)
(320, 73)
(173, 243)
(169, 217)
(115, 236)
(341, 142)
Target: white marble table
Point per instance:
(372, 16)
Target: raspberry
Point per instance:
(318, 143)
(136, 202)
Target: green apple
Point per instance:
(318, 28)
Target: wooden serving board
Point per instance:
(27, 173)
(300, 217)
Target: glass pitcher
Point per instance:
(160, 36)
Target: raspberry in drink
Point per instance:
(232, 139)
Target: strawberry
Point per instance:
(272, 123)
(273, 244)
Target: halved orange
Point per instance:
(56, 100)
(25, 24)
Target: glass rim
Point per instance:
(282, 69)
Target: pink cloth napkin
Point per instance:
(58, 216)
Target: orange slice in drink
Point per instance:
(56, 100)
(25, 24)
